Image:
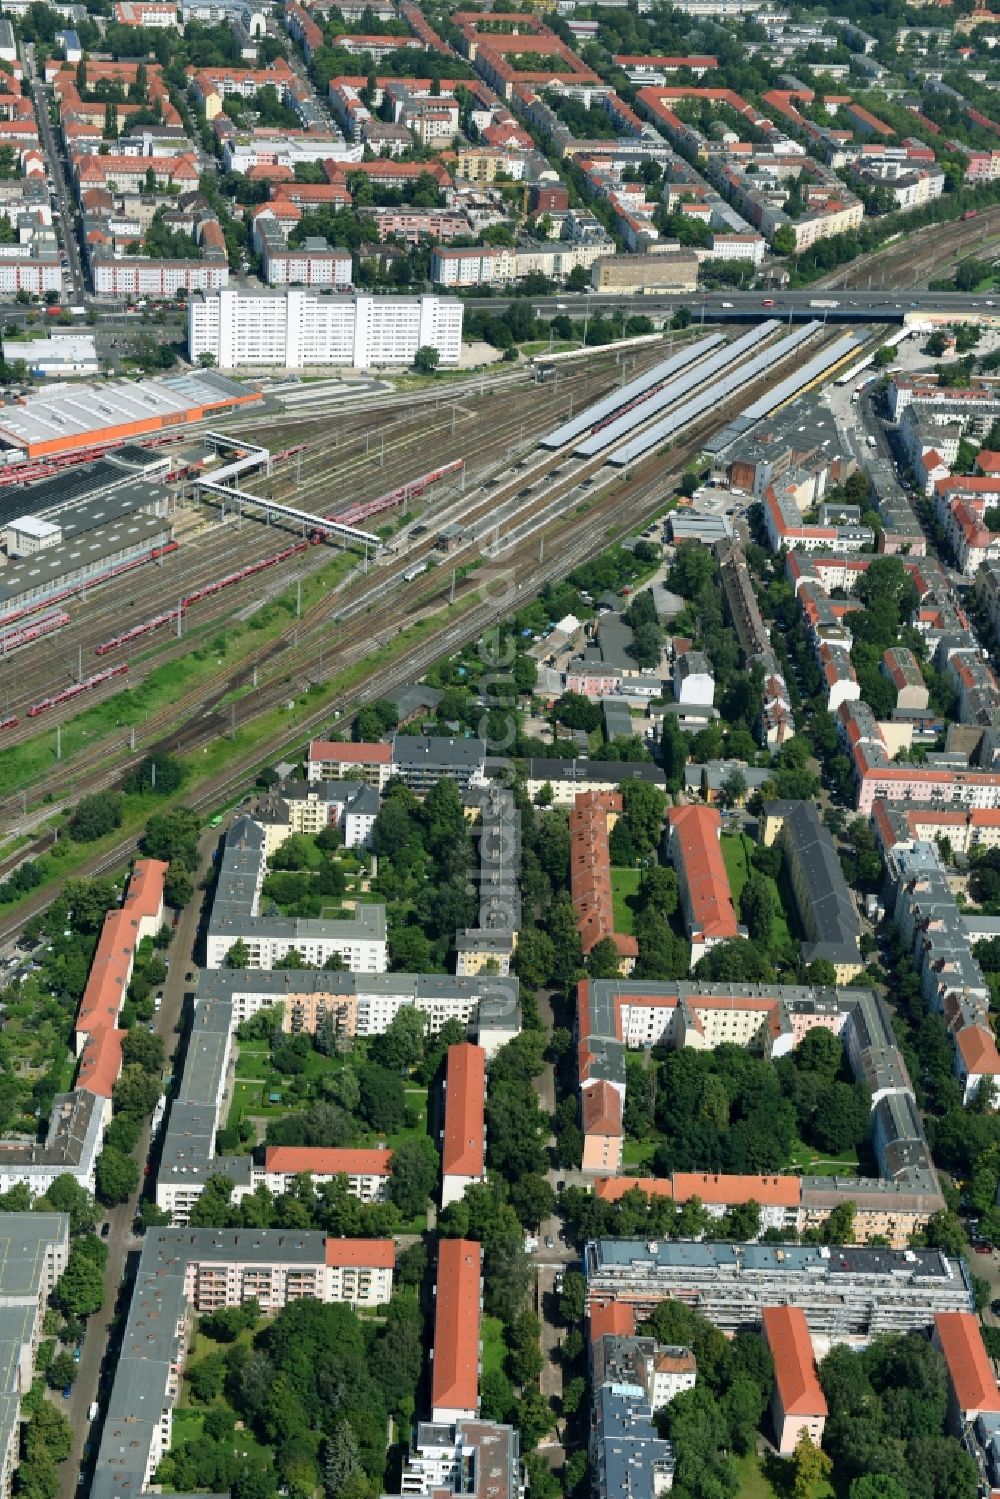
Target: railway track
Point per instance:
(26, 677)
(622, 504)
(932, 248)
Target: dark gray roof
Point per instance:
(420, 751)
(825, 903)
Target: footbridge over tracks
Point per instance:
(310, 523)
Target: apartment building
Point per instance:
(798, 1404)
(844, 1292)
(480, 1459)
(308, 807)
(463, 1138)
(367, 1172)
(183, 1272)
(902, 669)
(330, 760)
(706, 897)
(312, 262)
(628, 1456)
(360, 1004)
(359, 1272)
(613, 1015)
(972, 1383)
(236, 916)
(140, 916)
(420, 761)
(457, 1320)
(493, 939)
(295, 329)
(78, 1119)
(661, 1371)
(825, 905)
(778, 1197)
(590, 822)
(924, 908)
(366, 1004)
(565, 779)
(34, 1252)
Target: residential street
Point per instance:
(65, 211)
(121, 1241)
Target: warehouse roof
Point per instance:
(70, 418)
(44, 569)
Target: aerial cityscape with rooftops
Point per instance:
(499, 749)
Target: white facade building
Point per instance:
(297, 330)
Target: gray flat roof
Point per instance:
(47, 567)
(773, 1259)
(48, 415)
(25, 1239)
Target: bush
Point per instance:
(95, 816)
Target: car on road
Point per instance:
(105, 1230)
(983, 1248)
(768, 302)
(67, 1392)
(76, 1354)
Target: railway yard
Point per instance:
(537, 482)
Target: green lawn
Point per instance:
(736, 851)
(756, 1484)
(807, 1159)
(416, 1099)
(636, 1153)
(494, 1347)
(187, 1425)
(624, 883)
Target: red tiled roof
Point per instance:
(695, 830)
(969, 1368)
(145, 888)
(602, 1109)
(321, 1161)
(349, 753)
(463, 1151)
(101, 1062)
(377, 1254)
(455, 1377)
(774, 1191)
(978, 1050)
(612, 1188)
(787, 1335)
(611, 1317)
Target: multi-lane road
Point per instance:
(835, 305)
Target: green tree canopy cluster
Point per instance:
(720, 1417)
(888, 1422)
(317, 1386)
